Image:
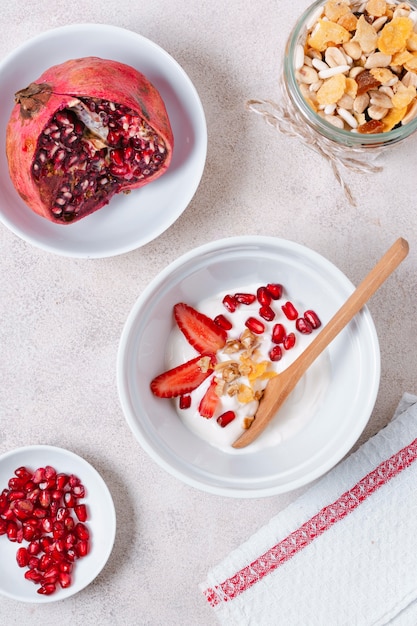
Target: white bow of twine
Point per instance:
(288, 121)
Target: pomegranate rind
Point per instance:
(54, 90)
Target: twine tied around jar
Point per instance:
(287, 120)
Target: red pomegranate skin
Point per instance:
(55, 90)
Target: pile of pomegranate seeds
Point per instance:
(45, 509)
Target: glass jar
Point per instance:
(351, 138)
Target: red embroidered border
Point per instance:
(313, 528)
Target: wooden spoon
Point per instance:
(279, 387)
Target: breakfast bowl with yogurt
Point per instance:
(204, 339)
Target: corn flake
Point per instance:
(335, 9)
(332, 89)
(411, 65)
(376, 8)
(365, 35)
(393, 117)
(382, 74)
(245, 394)
(393, 37)
(412, 42)
(325, 32)
(403, 96)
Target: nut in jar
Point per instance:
(351, 70)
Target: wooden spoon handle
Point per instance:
(365, 290)
(279, 388)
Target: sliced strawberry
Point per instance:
(200, 330)
(209, 401)
(183, 378)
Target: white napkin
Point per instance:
(344, 553)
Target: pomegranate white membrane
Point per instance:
(298, 410)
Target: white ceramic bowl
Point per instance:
(101, 523)
(334, 425)
(129, 221)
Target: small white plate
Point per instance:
(132, 220)
(101, 523)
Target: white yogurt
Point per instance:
(299, 408)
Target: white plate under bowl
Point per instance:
(101, 523)
(130, 220)
(335, 425)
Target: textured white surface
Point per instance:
(61, 319)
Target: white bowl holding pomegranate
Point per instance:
(201, 343)
(130, 220)
(57, 524)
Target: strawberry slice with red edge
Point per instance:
(183, 378)
(201, 332)
(210, 401)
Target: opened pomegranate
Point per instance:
(84, 131)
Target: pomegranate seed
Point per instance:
(47, 524)
(225, 418)
(39, 475)
(245, 298)
(33, 562)
(267, 313)
(81, 512)
(3, 503)
(66, 566)
(255, 325)
(71, 554)
(11, 531)
(73, 481)
(303, 326)
(61, 514)
(185, 401)
(44, 498)
(47, 589)
(274, 290)
(78, 491)
(57, 494)
(22, 509)
(61, 481)
(82, 531)
(22, 557)
(58, 530)
(64, 579)
(70, 540)
(3, 526)
(264, 297)
(45, 543)
(81, 548)
(34, 547)
(312, 318)
(33, 495)
(44, 562)
(69, 523)
(39, 513)
(69, 499)
(16, 484)
(50, 472)
(278, 333)
(51, 574)
(33, 575)
(290, 311)
(16, 495)
(23, 472)
(275, 353)
(230, 303)
(223, 322)
(289, 341)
